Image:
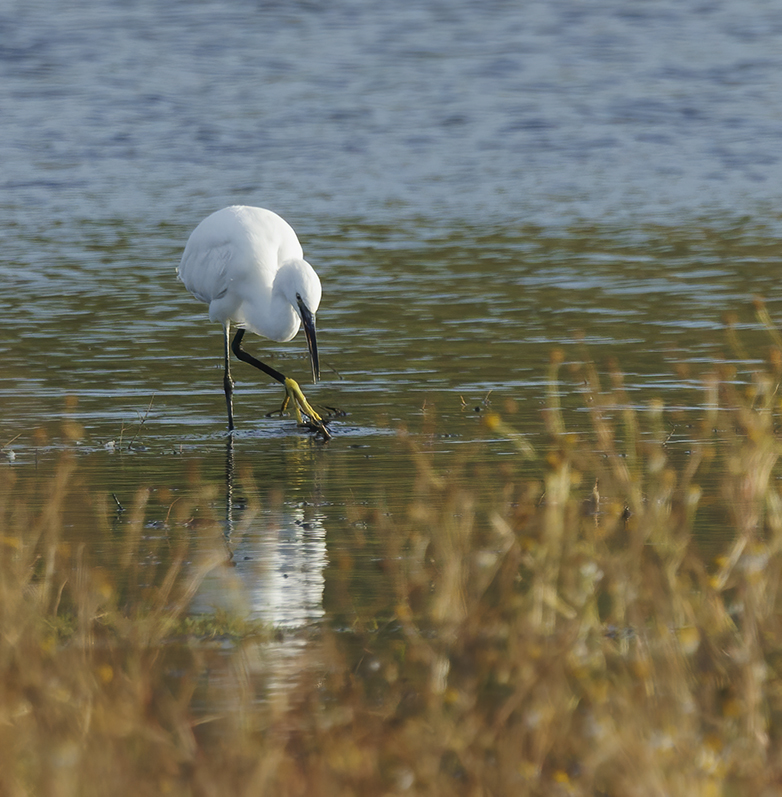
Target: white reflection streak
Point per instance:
(281, 568)
(278, 559)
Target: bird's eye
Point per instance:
(298, 297)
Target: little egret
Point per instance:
(247, 264)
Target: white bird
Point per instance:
(247, 264)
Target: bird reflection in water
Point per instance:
(278, 559)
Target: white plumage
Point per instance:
(247, 264)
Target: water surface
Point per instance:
(478, 186)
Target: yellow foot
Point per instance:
(294, 396)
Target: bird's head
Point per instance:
(300, 285)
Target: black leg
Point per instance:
(228, 383)
(237, 349)
(293, 394)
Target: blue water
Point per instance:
(493, 112)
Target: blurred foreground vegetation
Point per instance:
(575, 637)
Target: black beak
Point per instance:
(312, 342)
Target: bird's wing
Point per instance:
(204, 270)
(231, 261)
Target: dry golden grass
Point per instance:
(572, 637)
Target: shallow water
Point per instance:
(477, 186)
